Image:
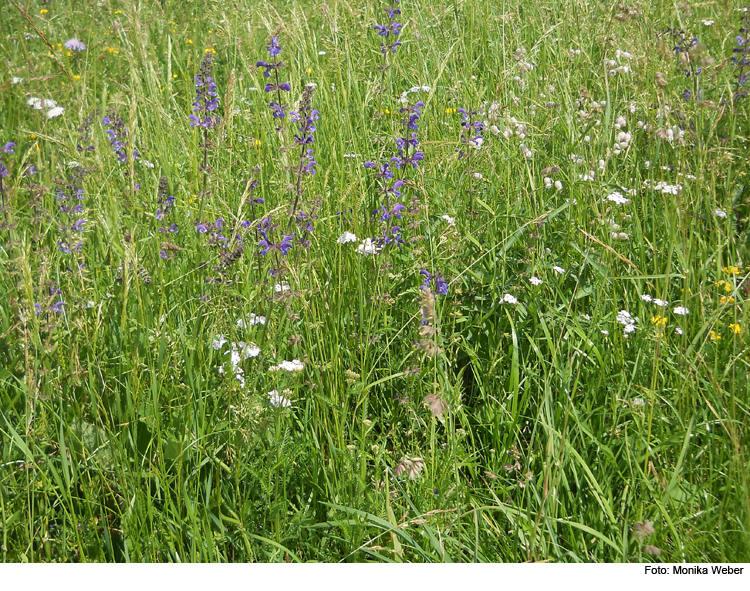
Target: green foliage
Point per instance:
(468, 428)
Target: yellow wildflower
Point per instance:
(659, 320)
(714, 336)
(735, 328)
(43, 11)
(387, 111)
(450, 111)
(732, 269)
(726, 300)
(190, 41)
(309, 70)
(118, 11)
(77, 77)
(32, 136)
(256, 144)
(209, 50)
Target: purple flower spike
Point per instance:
(202, 229)
(274, 49)
(9, 148)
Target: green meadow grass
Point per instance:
(562, 437)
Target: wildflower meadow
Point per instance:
(337, 281)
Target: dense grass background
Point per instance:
(122, 441)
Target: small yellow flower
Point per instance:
(714, 337)
(209, 50)
(732, 269)
(735, 328)
(209, 32)
(190, 41)
(450, 111)
(118, 11)
(659, 320)
(77, 77)
(256, 144)
(727, 287)
(59, 46)
(191, 200)
(309, 70)
(172, 23)
(70, 53)
(174, 76)
(43, 11)
(162, 88)
(387, 111)
(726, 300)
(32, 136)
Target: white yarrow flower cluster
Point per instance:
(627, 321)
(618, 198)
(48, 105)
(720, 213)
(368, 247)
(346, 237)
(281, 287)
(558, 270)
(290, 366)
(656, 301)
(278, 400)
(509, 299)
(252, 321)
(535, 281)
(681, 311)
(451, 221)
(665, 188)
(237, 353)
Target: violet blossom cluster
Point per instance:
(441, 285)
(118, 135)
(206, 98)
(471, 131)
(741, 57)
(164, 209)
(391, 29)
(8, 148)
(306, 117)
(274, 50)
(270, 243)
(682, 49)
(70, 196)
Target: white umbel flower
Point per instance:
(368, 247)
(618, 198)
(535, 281)
(290, 366)
(681, 311)
(558, 270)
(509, 299)
(278, 400)
(346, 237)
